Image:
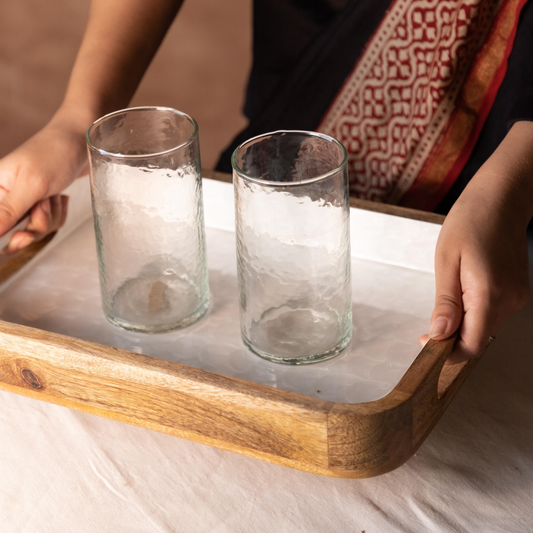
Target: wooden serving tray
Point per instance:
(352, 440)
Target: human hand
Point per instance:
(481, 270)
(31, 178)
(481, 260)
(120, 41)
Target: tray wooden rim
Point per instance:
(323, 437)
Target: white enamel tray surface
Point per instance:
(393, 292)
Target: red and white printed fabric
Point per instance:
(412, 108)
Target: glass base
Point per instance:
(156, 303)
(303, 359)
(159, 328)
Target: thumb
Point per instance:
(13, 206)
(448, 312)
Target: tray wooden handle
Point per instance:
(442, 380)
(430, 366)
(19, 259)
(370, 439)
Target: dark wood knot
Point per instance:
(31, 379)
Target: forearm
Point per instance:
(121, 38)
(503, 187)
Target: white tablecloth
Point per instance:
(65, 471)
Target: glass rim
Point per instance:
(260, 181)
(136, 109)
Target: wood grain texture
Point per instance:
(342, 440)
(334, 439)
(161, 395)
(378, 207)
(398, 211)
(19, 259)
(379, 436)
(218, 176)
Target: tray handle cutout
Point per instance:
(449, 374)
(429, 375)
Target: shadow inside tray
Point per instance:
(55, 297)
(383, 345)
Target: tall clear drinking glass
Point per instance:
(147, 202)
(293, 246)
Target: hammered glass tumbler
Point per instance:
(146, 191)
(293, 246)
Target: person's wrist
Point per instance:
(502, 189)
(492, 206)
(73, 119)
(514, 181)
(69, 124)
